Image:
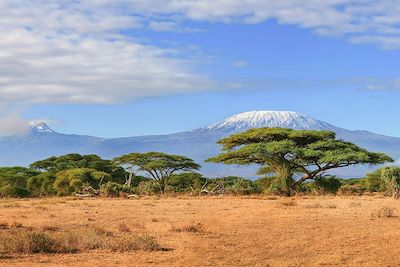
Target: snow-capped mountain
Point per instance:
(42, 142)
(283, 119)
(40, 127)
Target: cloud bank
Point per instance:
(59, 51)
(62, 51)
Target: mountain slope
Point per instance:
(199, 144)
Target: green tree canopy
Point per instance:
(159, 166)
(73, 161)
(42, 184)
(16, 176)
(284, 152)
(74, 180)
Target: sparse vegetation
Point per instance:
(384, 212)
(288, 203)
(189, 228)
(53, 240)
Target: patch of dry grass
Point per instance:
(355, 204)
(288, 203)
(49, 240)
(318, 205)
(384, 212)
(331, 206)
(189, 228)
(12, 205)
(122, 227)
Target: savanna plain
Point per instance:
(201, 231)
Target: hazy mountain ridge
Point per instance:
(41, 142)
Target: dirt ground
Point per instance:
(233, 231)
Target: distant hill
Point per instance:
(199, 144)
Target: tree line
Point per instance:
(290, 162)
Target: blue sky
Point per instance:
(123, 68)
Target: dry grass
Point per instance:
(234, 231)
(288, 203)
(28, 241)
(189, 228)
(318, 205)
(314, 206)
(331, 206)
(122, 227)
(384, 212)
(355, 204)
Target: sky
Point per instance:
(123, 68)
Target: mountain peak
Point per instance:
(40, 127)
(283, 119)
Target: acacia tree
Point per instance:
(158, 165)
(286, 152)
(74, 161)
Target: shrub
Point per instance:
(272, 185)
(351, 190)
(24, 241)
(374, 182)
(131, 243)
(122, 227)
(184, 182)
(289, 203)
(264, 183)
(191, 228)
(13, 191)
(42, 184)
(385, 212)
(328, 184)
(28, 241)
(242, 186)
(15, 176)
(148, 187)
(73, 180)
(112, 189)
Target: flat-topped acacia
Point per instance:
(285, 152)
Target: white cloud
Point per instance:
(13, 124)
(383, 85)
(62, 51)
(367, 20)
(73, 52)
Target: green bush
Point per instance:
(328, 184)
(74, 180)
(42, 184)
(16, 176)
(242, 186)
(148, 187)
(186, 182)
(13, 191)
(272, 185)
(352, 190)
(264, 183)
(112, 189)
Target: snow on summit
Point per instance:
(284, 119)
(40, 126)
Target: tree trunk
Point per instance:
(128, 181)
(284, 173)
(395, 189)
